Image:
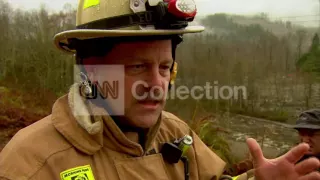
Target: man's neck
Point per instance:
(135, 134)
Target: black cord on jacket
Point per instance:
(186, 167)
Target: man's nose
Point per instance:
(305, 139)
(154, 77)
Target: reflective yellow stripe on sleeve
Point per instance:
(235, 178)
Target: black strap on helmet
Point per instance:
(99, 47)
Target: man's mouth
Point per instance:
(150, 104)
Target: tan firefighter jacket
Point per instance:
(63, 146)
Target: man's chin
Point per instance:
(145, 120)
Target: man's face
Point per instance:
(312, 137)
(147, 62)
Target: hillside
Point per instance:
(222, 23)
(275, 26)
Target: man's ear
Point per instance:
(174, 72)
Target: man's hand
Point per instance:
(284, 167)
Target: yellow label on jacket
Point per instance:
(78, 173)
(89, 3)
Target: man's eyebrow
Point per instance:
(147, 60)
(129, 60)
(168, 61)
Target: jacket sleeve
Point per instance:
(209, 165)
(249, 175)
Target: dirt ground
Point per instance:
(18, 110)
(12, 120)
(273, 137)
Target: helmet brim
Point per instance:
(306, 126)
(61, 39)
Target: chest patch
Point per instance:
(78, 173)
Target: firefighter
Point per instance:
(308, 127)
(127, 135)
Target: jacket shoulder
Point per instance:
(173, 124)
(29, 149)
(172, 119)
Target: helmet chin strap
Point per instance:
(99, 101)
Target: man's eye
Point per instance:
(135, 68)
(165, 67)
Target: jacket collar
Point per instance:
(90, 134)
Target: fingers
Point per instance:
(255, 151)
(307, 166)
(296, 153)
(312, 176)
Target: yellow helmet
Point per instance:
(115, 18)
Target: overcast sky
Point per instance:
(283, 9)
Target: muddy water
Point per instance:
(273, 137)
